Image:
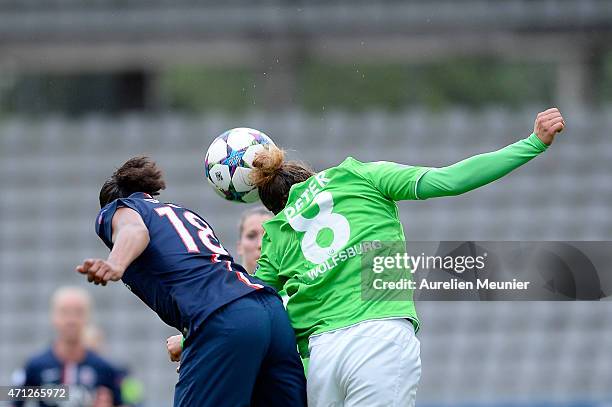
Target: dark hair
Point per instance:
(273, 177)
(138, 174)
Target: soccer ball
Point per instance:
(229, 160)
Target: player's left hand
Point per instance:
(548, 124)
(100, 271)
(174, 347)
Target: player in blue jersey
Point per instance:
(250, 232)
(239, 346)
(91, 379)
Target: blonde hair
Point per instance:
(258, 210)
(71, 290)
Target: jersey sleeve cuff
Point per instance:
(537, 143)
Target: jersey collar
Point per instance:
(141, 195)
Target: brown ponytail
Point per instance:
(138, 174)
(273, 176)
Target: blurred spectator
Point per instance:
(131, 388)
(251, 232)
(67, 361)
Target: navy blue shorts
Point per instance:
(244, 355)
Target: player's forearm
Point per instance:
(129, 243)
(478, 170)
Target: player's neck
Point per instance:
(69, 352)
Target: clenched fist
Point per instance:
(174, 347)
(547, 124)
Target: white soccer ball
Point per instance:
(229, 160)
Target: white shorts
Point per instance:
(374, 363)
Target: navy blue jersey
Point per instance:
(84, 378)
(184, 274)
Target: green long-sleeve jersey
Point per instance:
(312, 249)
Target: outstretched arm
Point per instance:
(130, 239)
(482, 169)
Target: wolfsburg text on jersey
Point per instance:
(343, 256)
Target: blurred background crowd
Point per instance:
(84, 85)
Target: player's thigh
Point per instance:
(281, 380)
(281, 384)
(220, 365)
(375, 363)
(327, 353)
(384, 368)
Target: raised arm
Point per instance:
(482, 169)
(130, 238)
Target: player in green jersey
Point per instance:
(362, 353)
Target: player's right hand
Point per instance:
(100, 271)
(547, 124)
(174, 347)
